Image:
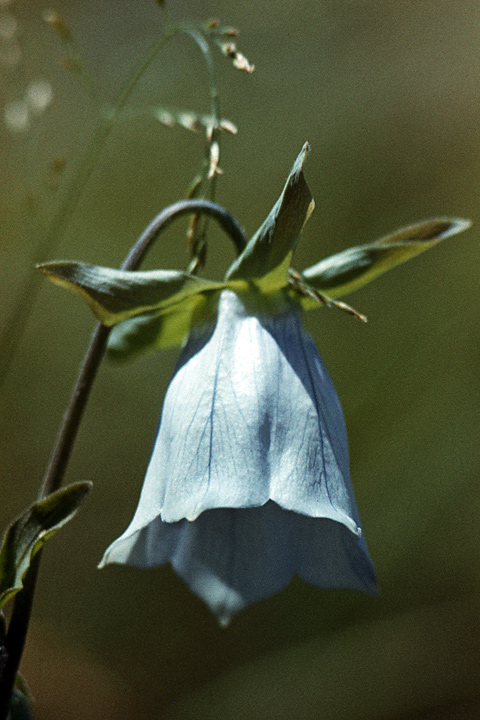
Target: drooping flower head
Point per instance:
(249, 479)
(248, 482)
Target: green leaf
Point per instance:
(20, 706)
(116, 295)
(154, 332)
(268, 254)
(137, 335)
(28, 533)
(21, 701)
(351, 269)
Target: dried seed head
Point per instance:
(230, 32)
(194, 187)
(228, 126)
(240, 61)
(190, 121)
(229, 49)
(214, 158)
(58, 24)
(165, 118)
(39, 95)
(16, 116)
(192, 238)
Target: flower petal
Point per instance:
(232, 558)
(252, 450)
(250, 415)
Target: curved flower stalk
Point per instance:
(249, 480)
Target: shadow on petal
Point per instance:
(232, 558)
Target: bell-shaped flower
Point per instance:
(249, 477)
(248, 482)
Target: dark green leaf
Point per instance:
(20, 706)
(116, 295)
(28, 533)
(21, 701)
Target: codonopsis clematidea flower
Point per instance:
(249, 480)
(248, 483)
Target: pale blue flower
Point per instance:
(249, 478)
(248, 483)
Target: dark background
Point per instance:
(387, 94)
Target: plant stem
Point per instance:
(18, 627)
(204, 48)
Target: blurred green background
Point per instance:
(388, 95)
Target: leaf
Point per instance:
(21, 701)
(351, 269)
(28, 533)
(135, 336)
(154, 332)
(20, 706)
(116, 295)
(268, 254)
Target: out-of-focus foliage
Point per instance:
(387, 94)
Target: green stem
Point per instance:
(18, 628)
(204, 47)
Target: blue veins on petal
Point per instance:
(250, 415)
(249, 481)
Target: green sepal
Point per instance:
(29, 532)
(268, 254)
(156, 332)
(140, 334)
(351, 269)
(116, 295)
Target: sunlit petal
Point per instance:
(249, 477)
